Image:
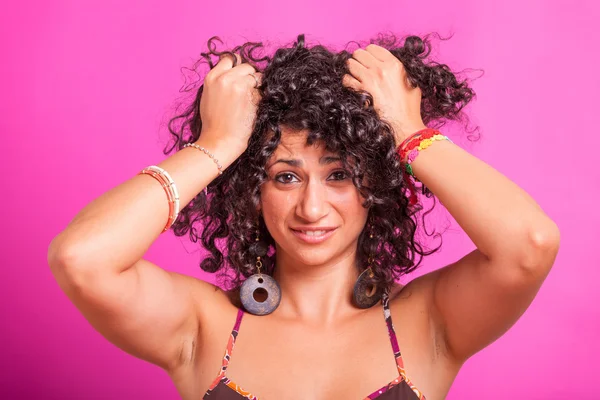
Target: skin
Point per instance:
(316, 322)
(315, 195)
(316, 344)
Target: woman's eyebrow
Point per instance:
(298, 163)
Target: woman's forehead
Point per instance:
(294, 144)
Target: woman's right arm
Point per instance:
(97, 260)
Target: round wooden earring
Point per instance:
(260, 284)
(366, 293)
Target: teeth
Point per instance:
(314, 233)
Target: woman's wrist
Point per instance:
(410, 141)
(409, 150)
(402, 134)
(225, 153)
(406, 134)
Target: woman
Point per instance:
(307, 171)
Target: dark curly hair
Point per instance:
(302, 90)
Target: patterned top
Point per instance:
(401, 388)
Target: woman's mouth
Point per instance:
(313, 235)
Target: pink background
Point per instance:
(88, 85)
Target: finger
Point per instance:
(259, 78)
(351, 82)
(358, 70)
(242, 70)
(254, 82)
(256, 97)
(237, 57)
(380, 53)
(365, 58)
(225, 64)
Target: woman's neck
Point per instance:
(317, 294)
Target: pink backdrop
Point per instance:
(86, 90)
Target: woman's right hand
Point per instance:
(228, 108)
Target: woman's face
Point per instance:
(309, 204)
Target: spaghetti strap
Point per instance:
(238, 322)
(385, 300)
(228, 350)
(232, 338)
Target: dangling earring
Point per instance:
(366, 292)
(263, 284)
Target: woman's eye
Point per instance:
(284, 178)
(340, 175)
(287, 177)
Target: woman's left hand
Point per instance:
(377, 71)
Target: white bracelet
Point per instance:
(208, 153)
(170, 188)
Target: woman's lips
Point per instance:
(313, 239)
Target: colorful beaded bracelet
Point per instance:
(411, 146)
(417, 142)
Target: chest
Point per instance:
(285, 359)
(317, 366)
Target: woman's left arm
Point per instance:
(478, 298)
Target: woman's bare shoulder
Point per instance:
(233, 296)
(419, 287)
(214, 300)
(395, 290)
(413, 303)
(214, 306)
(412, 300)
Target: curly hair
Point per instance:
(302, 90)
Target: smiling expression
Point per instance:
(310, 206)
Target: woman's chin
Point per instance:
(310, 254)
(313, 257)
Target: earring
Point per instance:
(366, 293)
(260, 284)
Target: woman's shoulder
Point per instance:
(233, 297)
(214, 305)
(420, 287)
(395, 290)
(412, 301)
(412, 304)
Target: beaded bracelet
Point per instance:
(208, 153)
(410, 142)
(413, 136)
(412, 146)
(170, 188)
(417, 142)
(423, 144)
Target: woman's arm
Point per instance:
(151, 313)
(478, 298)
(97, 261)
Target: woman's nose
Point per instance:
(313, 204)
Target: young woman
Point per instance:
(303, 175)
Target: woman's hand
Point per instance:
(228, 107)
(377, 71)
